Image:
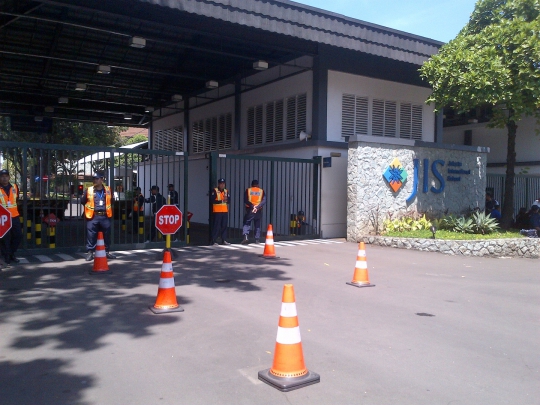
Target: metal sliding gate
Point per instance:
(292, 188)
(526, 189)
(51, 180)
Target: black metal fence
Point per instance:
(292, 188)
(526, 189)
(51, 180)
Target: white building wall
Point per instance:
(170, 121)
(344, 83)
(527, 143)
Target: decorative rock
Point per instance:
(521, 247)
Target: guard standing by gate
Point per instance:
(97, 201)
(254, 200)
(157, 201)
(8, 198)
(138, 210)
(220, 200)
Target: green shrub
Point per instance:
(484, 224)
(406, 224)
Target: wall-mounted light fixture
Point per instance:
(149, 109)
(128, 117)
(103, 69)
(49, 109)
(177, 97)
(472, 121)
(212, 84)
(80, 86)
(63, 100)
(304, 136)
(260, 65)
(137, 42)
(38, 118)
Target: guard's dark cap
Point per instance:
(137, 188)
(4, 171)
(98, 175)
(301, 213)
(154, 188)
(171, 185)
(255, 183)
(221, 181)
(534, 208)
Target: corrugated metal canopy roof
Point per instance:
(48, 46)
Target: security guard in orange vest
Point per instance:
(220, 200)
(254, 200)
(97, 201)
(8, 198)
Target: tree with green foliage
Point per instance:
(495, 61)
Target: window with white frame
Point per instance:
(212, 133)
(277, 120)
(169, 139)
(361, 115)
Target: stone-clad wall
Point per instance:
(370, 199)
(522, 247)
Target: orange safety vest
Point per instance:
(10, 201)
(89, 206)
(255, 195)
(220, 205)
(136, 205)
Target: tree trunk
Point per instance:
(508, 205)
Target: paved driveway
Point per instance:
(435, 330)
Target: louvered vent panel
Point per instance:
(361, 116)
(301, 114)
(390, 118)
(198, 137)
(270, 122)
(259, 125)
(347, 114)
(251, 126)
(291, 117)
(416, 130)
(377, 120)
(278, 133)
(227, 134)
(405, 112)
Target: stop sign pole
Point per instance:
(5, 221)
(168, 222)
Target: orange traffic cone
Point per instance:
(100, 257)
(288, 371)
(361, 277)
(166, 296)
(269, 248)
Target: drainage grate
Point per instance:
(424, 314)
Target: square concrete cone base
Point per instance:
(361, 285)
(100, 272)
(165, 311)
(288, 384)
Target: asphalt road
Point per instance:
(435, 329)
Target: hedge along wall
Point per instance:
(391, 177)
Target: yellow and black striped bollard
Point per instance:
(38, 234)
(51, 233)
(141, 224)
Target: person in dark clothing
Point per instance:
(138, 211)
(97, 201)
(157, 201)
(173, 195)
(254, 201)
(9, 193)
(522, 219)
(495, 213)
(220, 200)
(490, 203)
(534, 222)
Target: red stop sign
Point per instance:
(168, 219)
(5, 221)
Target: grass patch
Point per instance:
(449, 235)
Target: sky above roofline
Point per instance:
(440, 20)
